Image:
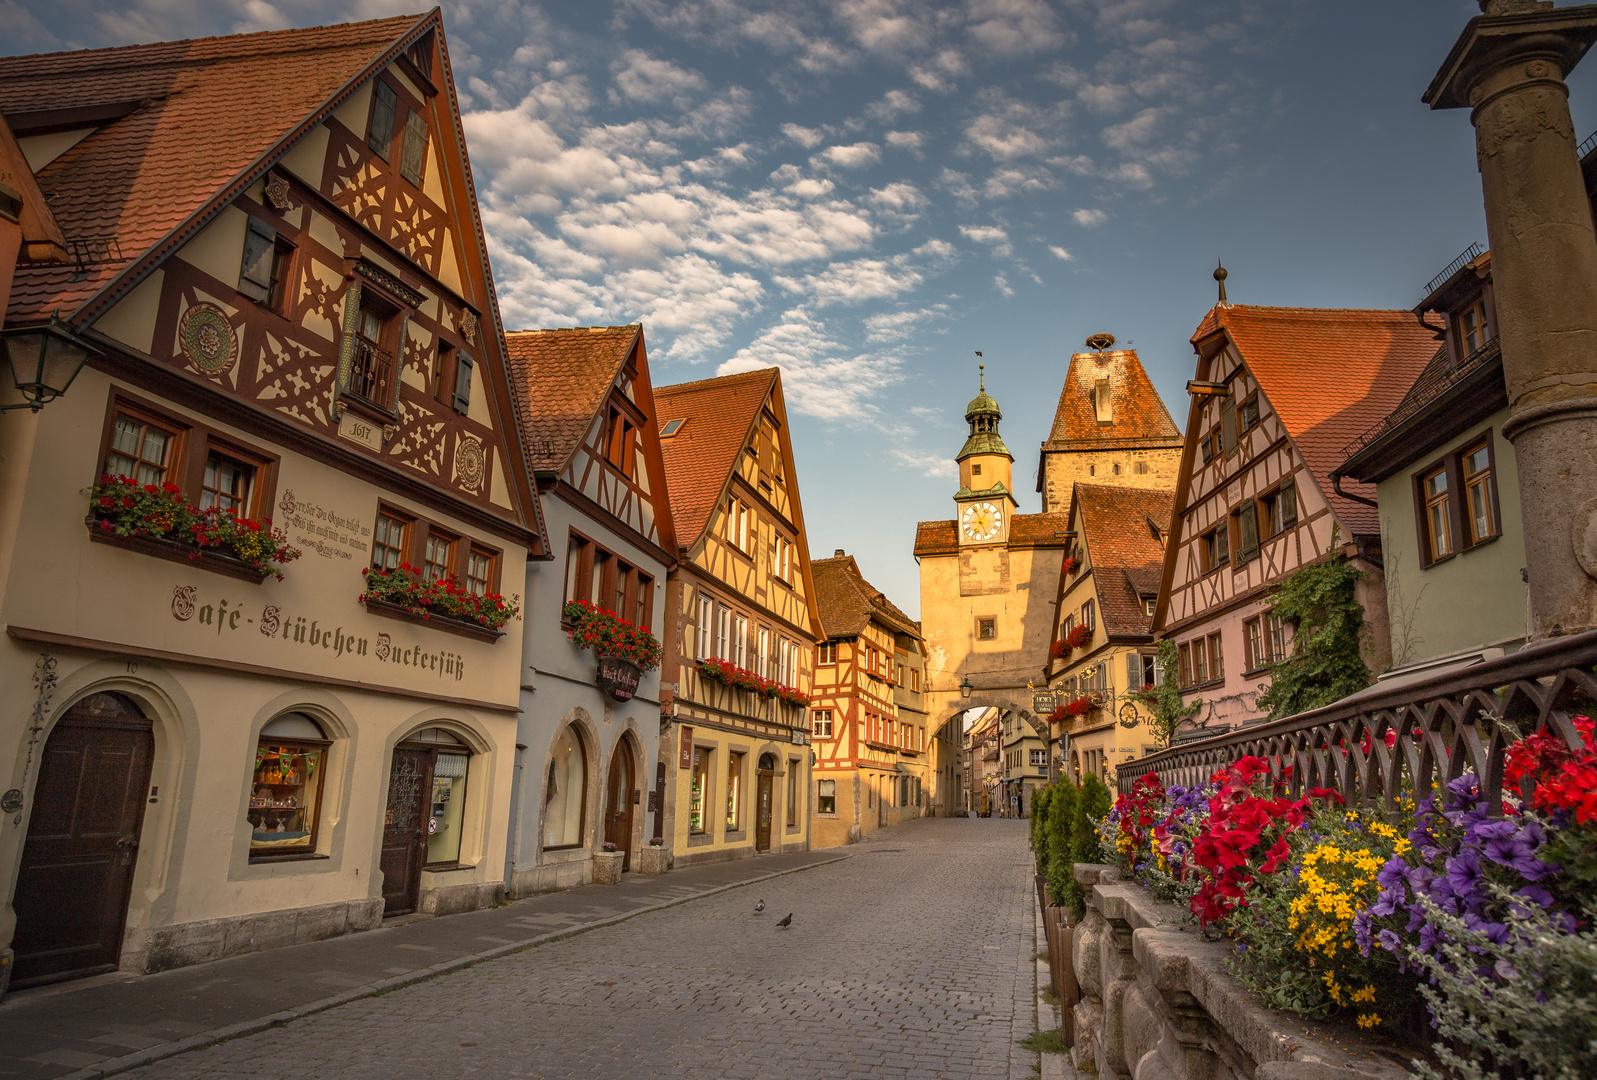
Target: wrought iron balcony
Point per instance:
(371, 374)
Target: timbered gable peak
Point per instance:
(848, 603)
(286, 219)
(588, 414)
(1123, 533)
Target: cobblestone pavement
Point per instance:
(915, 958)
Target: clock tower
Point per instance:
(984, 502)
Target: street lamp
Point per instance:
(44, 360)
(965, 688)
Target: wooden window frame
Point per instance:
(819, 717)
(263, 482)
(1484, 331)
(1487, 442)
(179, 434)
(826, 649)
(1422, 511)
(1248, 509)
(1249, 404)
(407, 549)
(990, 621)
(491, 582)
(822, 798)
(433, 532)
(1216, 649)
(308, 849)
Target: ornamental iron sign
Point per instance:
(617, 678)
(1044, 702)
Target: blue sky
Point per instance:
(865, 192)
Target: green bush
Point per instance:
(1062, 887)
(1092, 802)
(1039, 824)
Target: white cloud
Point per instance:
(894, 103)
(904, 140)
(900, 325)
(854, 156)
(1002, 285)
(808, 138)
(901, 197)
(1014, 27)
(1089, 218)
(942, 72)
(997, 239)
(1061, 253)
(820, 376)
(958, 185)
(934, 464)
(642, 78)
(884, 26)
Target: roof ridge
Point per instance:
(151, 46)
(677, 387)
(572, 329)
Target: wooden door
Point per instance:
(410, 780)
(762, 821)
(82, 844)
(618, 803)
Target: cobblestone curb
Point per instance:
(141, 1058)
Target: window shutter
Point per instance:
(413, 159)
(381, 136)
(1133, 671)
(255, 272)
(463, 365)
(1248, 530)
(1289, 505)
(1228, 426)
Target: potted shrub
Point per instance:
(607, 864)
(654, 859)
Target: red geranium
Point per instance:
(1564, 780)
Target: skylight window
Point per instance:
(671, 428)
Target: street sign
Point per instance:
(1044, 702)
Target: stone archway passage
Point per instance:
(83, 837)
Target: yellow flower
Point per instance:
(1366, 994)
(1369, 1020)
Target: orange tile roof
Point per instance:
(720, 415)
(1025, 530)
(1329, 374)
(1140, 414)
(1117, 526)
(847, 601)
(211, 108)
(561, 378)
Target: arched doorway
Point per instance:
(762, 817)
(618, 801)
(422, 822)
(82, 844)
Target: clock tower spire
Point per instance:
(984, 501)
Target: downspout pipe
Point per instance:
(1336, 486)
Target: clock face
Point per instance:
(982, 521)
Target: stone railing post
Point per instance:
(1508, 68)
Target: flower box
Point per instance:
(609, 635)
(390, 610)
(607, 867)
(729, 674)
(653, 860)
(401, 593)
(156, 519)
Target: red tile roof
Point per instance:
(720, 415)
(1025, 531)
(561, 378)
(211, 107)
(1139, 413)
(847, 602)
(1126, 554)
(1329, 374)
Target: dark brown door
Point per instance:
(83, 838)
(762, 820)
(405, 829)
(618, 815)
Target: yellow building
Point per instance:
(1102, 648)
(868, 722)
(741, 633)
(989, 578)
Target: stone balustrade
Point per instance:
(1158, 1004)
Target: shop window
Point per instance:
(826, 797)
(565, 792)
(446, 816)
(699, 792)
(1480, 492)
(380, 137)
(286, 787)
(822, 723)
(140, 448)
(389, 540)
(413, 155)
(793, 774)
(734, 792)
(226, 484)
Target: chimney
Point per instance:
(837, 553)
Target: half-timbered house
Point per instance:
(1103, 640)
(277, 258)
(741, 636)
(872, 750)
(1278, 393)
(592, 739)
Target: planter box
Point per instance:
(475, 631)
(177, 551)
(607, 867)
(652, 860)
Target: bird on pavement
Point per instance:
(759, 906)
(785, 923)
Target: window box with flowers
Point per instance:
(624, 650)
(1080, 705)
(729, 674)
(1078, 638)
(1070, 566)
(156, 519)
(443, 603)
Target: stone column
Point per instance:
(1508, 68)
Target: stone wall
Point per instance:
(1157, 1004)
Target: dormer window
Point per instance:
(1472, 332)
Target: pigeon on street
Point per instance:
(759, 906)
(785, 923)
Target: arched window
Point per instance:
(565, 792)
(286, 787)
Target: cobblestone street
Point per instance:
(915, 958)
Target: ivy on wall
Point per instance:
(1325, 664)
(1165, 699)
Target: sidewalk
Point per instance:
(110, 1023)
